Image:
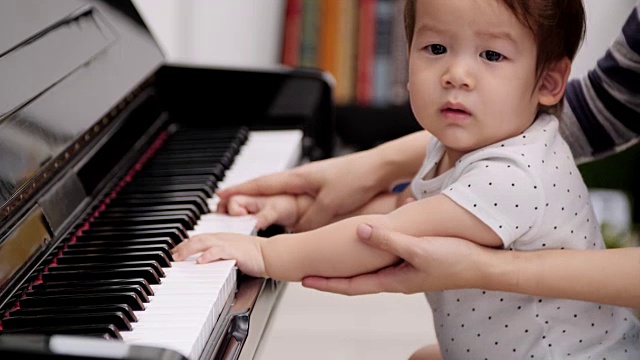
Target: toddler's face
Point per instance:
(472, 72)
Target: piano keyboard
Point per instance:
(209, 285)
(134, 292)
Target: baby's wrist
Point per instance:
(260, 242)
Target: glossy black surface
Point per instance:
(63, 65)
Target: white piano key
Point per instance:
(183, 311)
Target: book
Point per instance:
(292, 33)
(309, 38)
(398, 94)
(347, 41)
(366, 50)
(384, 13)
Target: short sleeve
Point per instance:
(502, 193)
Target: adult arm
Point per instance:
(340, 185)
(601, 114)
(438, 263)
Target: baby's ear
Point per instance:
(553, 82)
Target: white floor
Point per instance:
(313, 325)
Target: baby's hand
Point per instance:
(245, 249)
(269, 210)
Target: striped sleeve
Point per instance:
(602, 110)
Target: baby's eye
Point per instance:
(491, 55)
(436, 49)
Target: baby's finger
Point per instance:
(236, 208)
(266, 217)
(243, 205)
(213, 254)
(194, 245)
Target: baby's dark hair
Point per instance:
(558, 27)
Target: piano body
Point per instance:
(109, 157)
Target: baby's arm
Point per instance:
(335, 251)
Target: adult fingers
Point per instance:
(363, 284)
(389, 279)
(401, 245)
(283, 182)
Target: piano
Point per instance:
(109, 157)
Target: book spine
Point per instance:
(347, 32)
(382, 61)
(399, 95)
(366, 51)
(292, 33)
(309, 41)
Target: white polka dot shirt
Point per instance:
(530, 192)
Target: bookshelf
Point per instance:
(361, 43)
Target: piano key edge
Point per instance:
(255, 302)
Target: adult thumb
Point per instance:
(393, 242)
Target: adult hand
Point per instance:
(431, 264)
(338, 185)
(343, 184)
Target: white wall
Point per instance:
(243, 33)
(248, 32)
(604, 22)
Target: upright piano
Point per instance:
(109, 157)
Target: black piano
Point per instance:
(109, 157)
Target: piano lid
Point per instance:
(64, 64)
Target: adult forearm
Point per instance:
(331, 251)
(603, 276)
(399, 159)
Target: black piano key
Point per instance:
(183, 221)
(117, 319)
(190, 218)
(130, 299)
(123, 308)
(201, 205)
(208, 180)
(106, 331)
(129, 273)
(190, 210)
(220, 134)
(116, 289)
(217, 171)
(142, 283)
(163, 195)
(124, 248)
(143, 229)
(174, 235)
(195, 147)
(156, 188)
(204, 157)
(110, 244)
(109, 262)
(124, 259)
